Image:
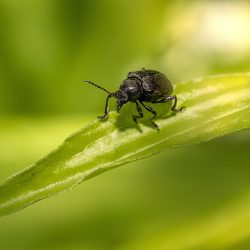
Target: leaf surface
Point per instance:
(215, 106)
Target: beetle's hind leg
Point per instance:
(168, 99)
(181, 109)
(151, 111)
(135, 117)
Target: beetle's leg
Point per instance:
(174, 106)
(135, 117)
(151, 111)
(106, 107)
(168, 99)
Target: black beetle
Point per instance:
(139, 87)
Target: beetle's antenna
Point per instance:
(99, 87)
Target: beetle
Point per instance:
(140, 87)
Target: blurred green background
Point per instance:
(191, 198)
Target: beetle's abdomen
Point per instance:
(155, 85)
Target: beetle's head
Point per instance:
(121, 97)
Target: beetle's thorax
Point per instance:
(132, 88)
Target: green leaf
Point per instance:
(214, 106)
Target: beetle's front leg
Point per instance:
(106, 107)
(135, 117)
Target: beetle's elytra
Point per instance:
(142, 86)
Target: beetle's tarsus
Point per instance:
(102, 116)
(180, 110)
(155, 125)
(135, 119)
